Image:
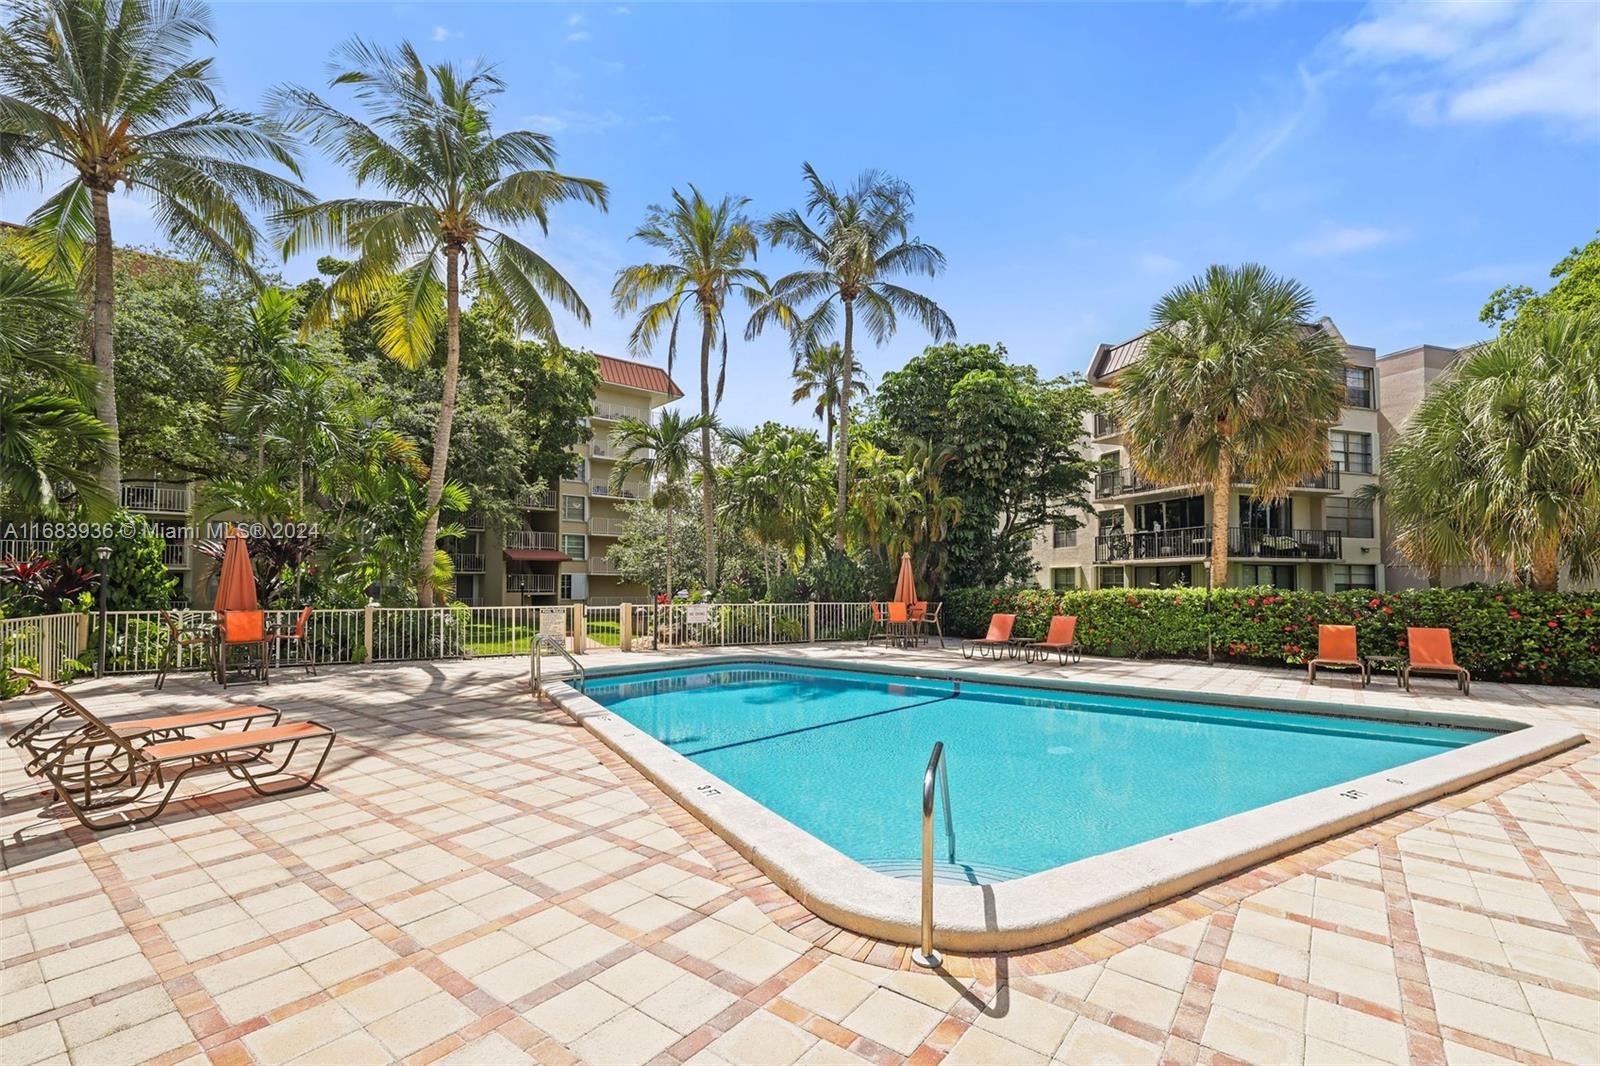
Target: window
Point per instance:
(1113, 578)
(1354, 577)
(566, 586)
(1357, 386)
(1111, 521)
(1063, 577)
(1162, 577)
(572, 507)
(581, 471)
(1185, 513)
(1351, 452)
(1350, 516)
(1065, 537)
(1264, 514)
(1279, 577)
(574, 545)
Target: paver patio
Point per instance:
(482, 881)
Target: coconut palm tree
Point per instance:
(855, 240)
(1236, 384)
(450, 191)
(819, 374)
(1498, 464)
(108, 91)
(706, 246)
(776, 489)
(664, 452)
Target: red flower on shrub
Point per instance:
(1388, 610)
(1499, 599)
(1373, 602)
(1516, 614)
(1553, 624)
(1251, 601)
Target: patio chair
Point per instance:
(107, 791)
(1061, 641)
(876, 630)
(177, 640)
(1336, 646)
(900, 622)
(1429, 652)
(997, 639)
(40, 740)
(298, 639)
(242, 629)
(932, 619)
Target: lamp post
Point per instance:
(1211, 655)
(104, 552)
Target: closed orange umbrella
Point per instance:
(905, 589)
(236, 586)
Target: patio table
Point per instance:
(1017, 645)
(1393, 662)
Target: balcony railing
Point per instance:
(466, 562)
(1194, 542)
(532, 584)
(603, 449)
(529, 540)
(615, 412)
(603, 566)
(604, 489)
(539, 500)
(154, 497)
(1108, 483)
(606, 527)
(1327, 479)
(23, 550)
(173, 555)
(1106, 426)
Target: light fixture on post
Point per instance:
(104, 552)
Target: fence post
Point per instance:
(811, 621)
(83, 635)
(580, 629)
(625, 627)
(366, 631)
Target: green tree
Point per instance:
(451, 187)
(1498, 464)
(775, 487)
(664, 453)
(1576, 291)
(109, 91)
(706, 246)
(856, 239)
(1236, 384)
(819, 375)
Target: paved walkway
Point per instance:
(481, 881)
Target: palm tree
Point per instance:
(1236, 384)
(1498, 464)
(820, 373)
(922, 513)
(450, 188)
(107, 90)
(664, 453)
(706, 245)
(861, 238)
(776, 488)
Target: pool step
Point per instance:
(945, 873)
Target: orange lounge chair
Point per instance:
(1062, 641)
(1429, 652)
(1336, 646)
(103, 778)
(998, 638)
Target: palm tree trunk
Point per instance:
(104, 356)
(1546, 568)
(707, 478)
(447, 414)
(669, 548)
(1221, 499)
(844, 422)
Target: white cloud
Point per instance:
(573, 121)
(1344, 240)
(1485, 62)
(574, 20)
(1157, 263)
(580, 35)
(1258, 134)
(441, 33)
(622, 10)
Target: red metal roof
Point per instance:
(536, 555)
(631, 375)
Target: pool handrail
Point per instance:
(937, 773)
(558, 645)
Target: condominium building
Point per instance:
(1152, 535)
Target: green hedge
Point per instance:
(1500, 633)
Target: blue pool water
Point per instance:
(1038, 777)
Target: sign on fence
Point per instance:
(553, 622)
(697, 613)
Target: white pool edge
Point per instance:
(1059, 902)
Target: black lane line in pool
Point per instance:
(819, 725)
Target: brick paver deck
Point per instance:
(481, 881)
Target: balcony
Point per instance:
(1124, 482)
(616, 412)
(155, 497)
(605, 491)
(532, 584)
(466, 562)
(1326, 481)
(174, 556)
(606, 527)
(603, 449)
(1194, 542)
(538, 500)
(529, 540)
(1106, 426)
(603, 567)
(24, 550)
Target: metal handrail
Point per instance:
(558, 645)
(937, 773)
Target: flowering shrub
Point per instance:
(1500, 633)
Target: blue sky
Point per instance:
(1072, 161)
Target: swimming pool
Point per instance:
(1037, 778)
(1073, 801)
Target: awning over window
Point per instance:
(536, 555)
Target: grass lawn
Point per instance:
(481, 638)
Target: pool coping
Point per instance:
(1050, 905)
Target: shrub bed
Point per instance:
(1500, 633)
